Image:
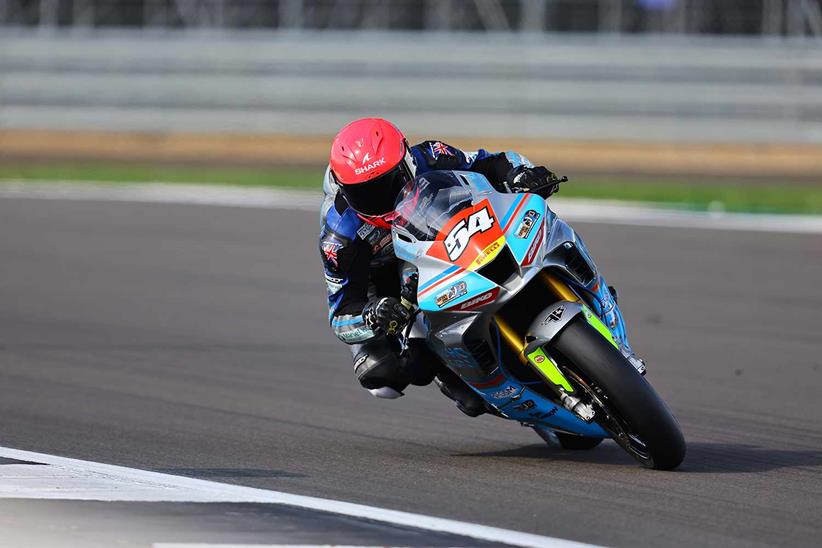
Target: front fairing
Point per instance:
(445, 285)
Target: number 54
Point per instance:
(457, 239)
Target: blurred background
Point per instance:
(194, 340)
(685, 101)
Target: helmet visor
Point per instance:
(377, 197)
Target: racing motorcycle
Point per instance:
(503, 294)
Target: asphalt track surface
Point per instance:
(193, 340)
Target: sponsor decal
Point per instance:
(386, 240)
(365, 230)
(459, 358)
(368, 167)
(525, 406)
(477, 301)
(453, 292)
(330, 250)
(539, 359)
(456, 241)
(438, 149)
(543, 414)
(506, 392)
(535, 246)
(527, 224)
(488, 253)
(375, 236)
(355, 335)
(360, 360)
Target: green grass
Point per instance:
(701, 195)
(144, 173)
(705, 195)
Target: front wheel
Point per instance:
(626, 405)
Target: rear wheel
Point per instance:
(626, 405)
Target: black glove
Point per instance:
(539, 180)
(385, 315)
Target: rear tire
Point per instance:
(625, 394)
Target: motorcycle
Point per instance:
(503, 294)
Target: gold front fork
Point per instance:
(516, 342)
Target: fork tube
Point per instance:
(559, 287)
(515, 342)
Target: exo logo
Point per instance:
(457, 240)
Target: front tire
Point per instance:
(628, 406)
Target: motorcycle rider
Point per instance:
(370, 163)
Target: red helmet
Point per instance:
(371, 162)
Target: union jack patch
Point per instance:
(330, 250)
(438, 148)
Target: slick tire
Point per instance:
(628, 395)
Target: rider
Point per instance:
(370, 163)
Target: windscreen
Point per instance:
(427, 203)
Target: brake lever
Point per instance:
(552, 185)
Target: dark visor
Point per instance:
(377, 196)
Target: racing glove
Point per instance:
(385, 315)
(539, 180)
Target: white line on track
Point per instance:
(73, 479)
(589, 211)
(207, 545)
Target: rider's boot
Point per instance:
(609, 313)
(385, 373)
(467, 401)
